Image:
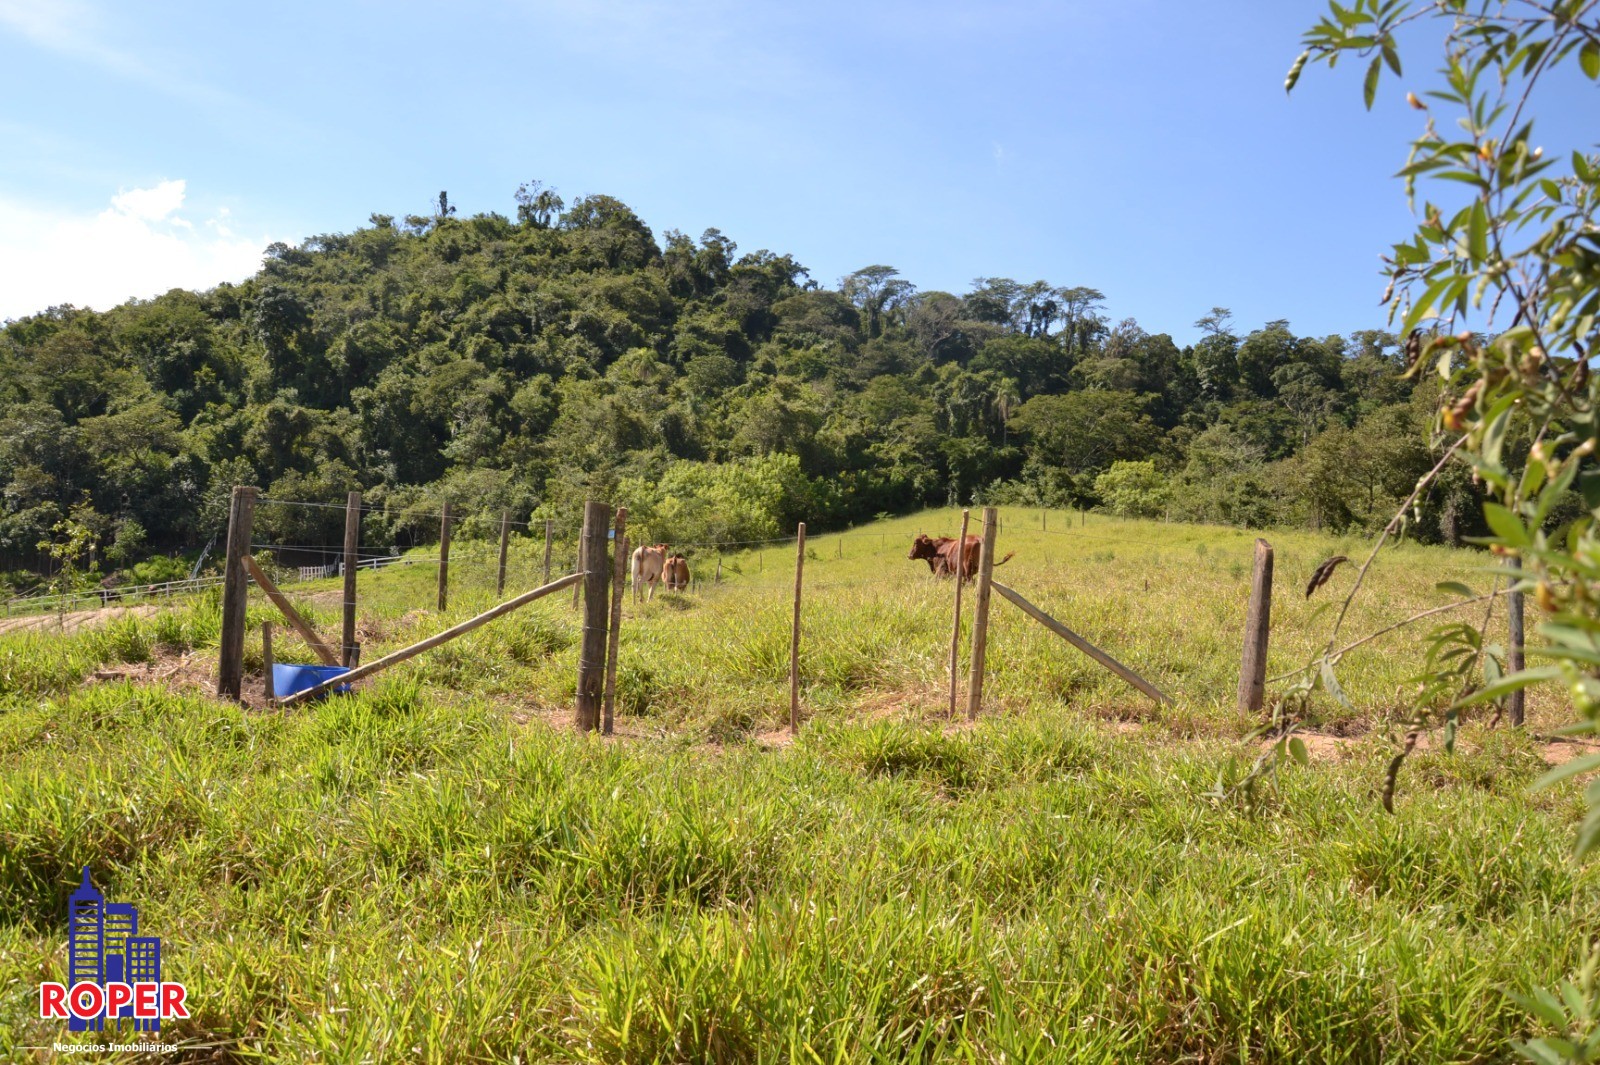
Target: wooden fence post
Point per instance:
(577, 589)
(596, 584)
(548, 528)
(1515, 659)
(505, 540)
(955, 628)
(1258, 623)
(235, 592)
(352, 547)
(719, 569)
(619, 570)
(266, 663)
(444, 556)
(794, 634)
(980, 612)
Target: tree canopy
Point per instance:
(525, 364)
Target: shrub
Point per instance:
(1133, 490)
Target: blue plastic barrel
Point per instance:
(290, 680)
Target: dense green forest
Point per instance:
(527, 363)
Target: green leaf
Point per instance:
(1478, 232)
(1562, 772)
(1297, 750)
(1573, 997)
(1543, 1005)
(1331, 683)
(1549, 1007)
(1589, 60)
(1392, 57)
(1454, 586)
(1536, 1051)
(1507, 685)
(1497, 421)
(1369, 90)
(1589, 486)
(1506, 525)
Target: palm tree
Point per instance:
(1004, 395)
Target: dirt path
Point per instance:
(72, 621)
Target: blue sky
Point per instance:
(1143, 148)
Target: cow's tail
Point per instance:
(1008, 558)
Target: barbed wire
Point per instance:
(371, 550)
(400, 510)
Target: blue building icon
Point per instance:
(86, 947)
(104, 946)
(144, 967)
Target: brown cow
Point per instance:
(677, 574)
(648, 563)
(943, 555)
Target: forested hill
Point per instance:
(525, 364)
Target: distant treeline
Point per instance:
(528, 363)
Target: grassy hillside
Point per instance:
(438, 868)
(1167, 599)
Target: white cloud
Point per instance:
(151, 205)
(139, 247)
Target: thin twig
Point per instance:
(1315, 662)
(1399, 516)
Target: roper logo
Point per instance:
(114, 974)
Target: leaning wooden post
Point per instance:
(1515, 660)
(394, 658)
(505, 540)
(1080, 643)
(235, 592)
(955, 628)
(794, 633)
(444, 556)
(596, 584)
(1253, 667)
(266, 663)
(352, 547)
(619, 570)
(320, 647)
(980, 611)
(549, 531)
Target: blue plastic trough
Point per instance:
(291, 680)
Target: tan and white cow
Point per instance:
(649, 563)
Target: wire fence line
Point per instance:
(122, 594)
(374, 556)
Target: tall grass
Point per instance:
(414, 872)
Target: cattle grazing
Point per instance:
(648, 563)
(943, 555)
(677, 574)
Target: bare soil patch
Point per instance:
(73, 621)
